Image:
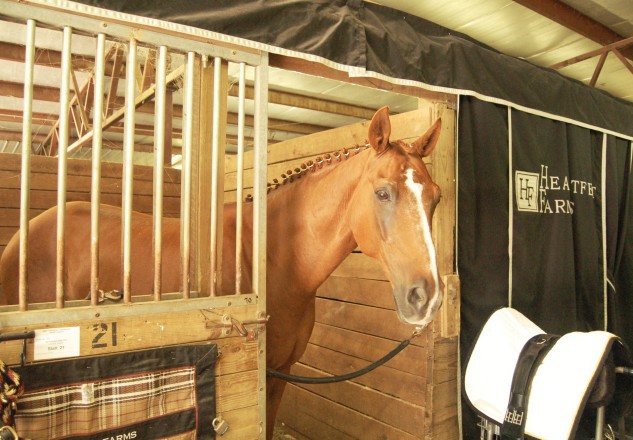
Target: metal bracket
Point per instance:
(16, 337)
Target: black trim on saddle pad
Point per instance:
(147, 394)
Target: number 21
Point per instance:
(102, 330)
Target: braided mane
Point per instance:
(312, 165)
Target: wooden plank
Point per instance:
(219, 178)
(408, 387)
(446, 322)
(408, 125)
(383, 407)
(243, 422)
(292, 419)
(444, 360)
(284, 432)
(201, 179)
(369, 348)
(235, 391)
(363, 319)
(376, 293)
(444, 403)
(443, 172)
(127, 333)
(446, 430)
(46, 181)
(343, 423)
(81, 167)
(451, 306)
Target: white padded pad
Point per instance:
(559, 385)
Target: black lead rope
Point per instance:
(344, 377)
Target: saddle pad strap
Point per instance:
(533, 351)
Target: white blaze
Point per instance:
(416, 189)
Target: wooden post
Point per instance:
(221, 74)
(442, 384)
(200, 180)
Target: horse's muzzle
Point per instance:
(419, 304)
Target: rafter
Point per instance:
(575, 20)
(146, 96)
(623, 60)
(615, 48)
(596, 72)
(594, 53)
(114, 79)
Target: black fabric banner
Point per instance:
(557, 255)
(558, 247)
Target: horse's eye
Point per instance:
(382, 195)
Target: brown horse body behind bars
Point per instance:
(381, 200)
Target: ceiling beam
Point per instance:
(578, 22)
(594, 53)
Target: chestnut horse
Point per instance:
(381, 199)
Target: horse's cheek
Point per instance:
(385, 219)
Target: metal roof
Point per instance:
(544, 33)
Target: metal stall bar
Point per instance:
(64, 117)
(25, 178)
(95, 191)
(260, 158)
(186, 174)
(240, 179)
(159, 163)
(128, 169)
(215, 155)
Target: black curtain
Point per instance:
(542, 250)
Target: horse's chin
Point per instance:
(418, 321)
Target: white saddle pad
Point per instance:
(561, 384)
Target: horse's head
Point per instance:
(391, 211)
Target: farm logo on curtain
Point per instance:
(549, 194)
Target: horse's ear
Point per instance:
(425, 145)
(379, 130)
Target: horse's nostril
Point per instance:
(417, 296)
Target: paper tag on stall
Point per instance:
(55, 343)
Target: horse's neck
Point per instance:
(310, 222)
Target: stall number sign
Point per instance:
(55, 343)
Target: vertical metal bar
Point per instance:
(215, 154)
(95, 192)
(240, 179)
(159, 162)
(128, 168)
(25, 177)
(600, 423)
(260, 159)
(510, 210)
(603, 208)
(186, 153)
(64, 116)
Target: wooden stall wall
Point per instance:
(414, 395)
(43, 193)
